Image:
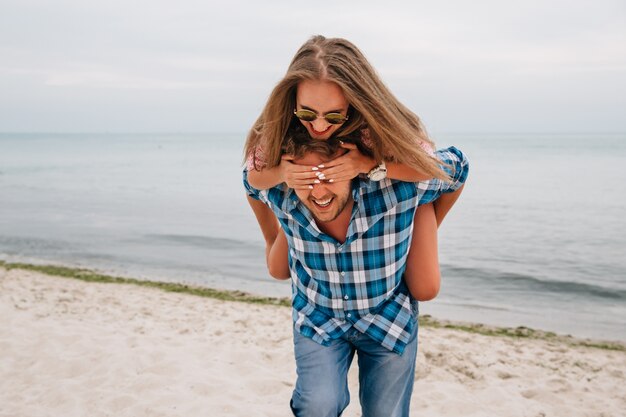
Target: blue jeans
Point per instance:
(385, 378)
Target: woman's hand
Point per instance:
(347, 166)
(298, 177)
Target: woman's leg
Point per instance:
(422, 275)
(276, 249)
(278, 257)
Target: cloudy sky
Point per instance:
(208, 66)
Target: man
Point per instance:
(347, 251)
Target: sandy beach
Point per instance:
(72, 348)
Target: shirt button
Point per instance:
(343, 274)
(345, 297)
(339, 249)
(349, 314)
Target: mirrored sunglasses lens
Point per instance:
(335, 118)
(306, 115)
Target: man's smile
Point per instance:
(322, 203)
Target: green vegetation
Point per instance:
(520, 333)
(425, 320)
(92, 276)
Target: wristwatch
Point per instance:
(378, 172)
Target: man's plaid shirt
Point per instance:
(358, 283)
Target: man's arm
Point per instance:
(443, 204)
(276, 249)
(455, 164)
(266, 219)
(422, 274)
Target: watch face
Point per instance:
(378, 175)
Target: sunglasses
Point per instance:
(309, 116)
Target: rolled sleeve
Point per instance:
(250, 190)
(455, 164)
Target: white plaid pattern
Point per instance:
(358, 283)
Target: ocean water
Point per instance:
(537, 239)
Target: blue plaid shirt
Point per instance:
(358, 283)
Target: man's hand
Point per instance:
(348, 165)
(298, 177)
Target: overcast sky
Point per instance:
(207, 66)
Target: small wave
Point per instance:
(530, 283)
(473, 306)
(207, 242)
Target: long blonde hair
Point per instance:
(395, 131)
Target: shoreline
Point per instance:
(519, 332)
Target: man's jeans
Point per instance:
(385, 378)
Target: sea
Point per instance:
(538, 238)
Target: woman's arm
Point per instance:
(353, 163)
(266, 178)
(401, 172)
(298, 177)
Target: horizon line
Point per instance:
(214, 132)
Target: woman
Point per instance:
(331, 90)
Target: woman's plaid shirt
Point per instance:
(358, 283)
